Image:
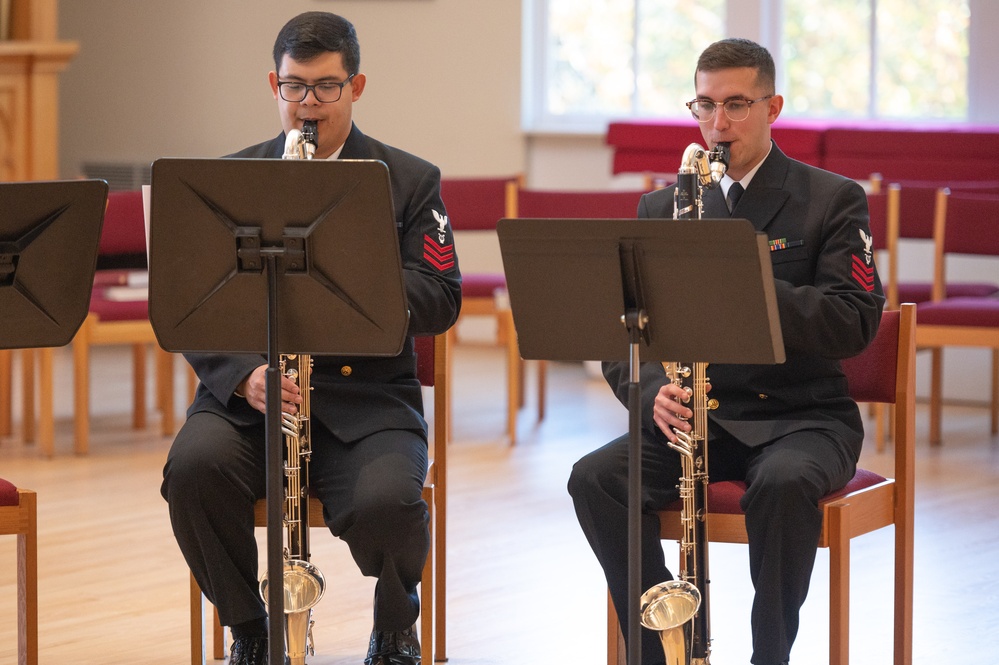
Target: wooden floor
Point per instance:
(524, 587)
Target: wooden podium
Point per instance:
(31, 59)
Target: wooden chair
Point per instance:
(474, 205)
(18, 509)
(966, 224)
(432, 364)
(884, 372)
(917, 213)
(119, 315)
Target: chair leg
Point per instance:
(839, 585)
(616, 653)
(46, 414)
(28, 394)
(218, 636)
(27, 583)
(514, 365)
(165, 391)
(6, 393)
(936, 396)
(138, 386)
(197, 625)
(81, 391)
(439, 543)
(427, 604)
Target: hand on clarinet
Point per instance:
(670, 410)
(254, 391)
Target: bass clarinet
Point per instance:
(303, 582)
(679, 609)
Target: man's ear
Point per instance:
(357, 86)
(272, 78)
(774, 106)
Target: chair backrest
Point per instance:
(432, 371)
(918, 203)
(969, 221)
(964, 223)
(886, 372)
(584, 204)
(476, 204)
(872, 374)
(124, 230)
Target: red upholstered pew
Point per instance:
(899, 151)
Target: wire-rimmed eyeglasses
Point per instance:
(737, 110)
(325, 92)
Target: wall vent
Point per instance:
(120, 176)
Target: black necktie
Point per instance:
(734, 193)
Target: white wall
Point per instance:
(188, 78)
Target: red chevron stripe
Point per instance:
(440, 265)
(441, 251)
(860, 264)
(863, 273)
(439, 256)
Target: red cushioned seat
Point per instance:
(978, 312)
(8, 493)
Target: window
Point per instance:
(910, 61)
(616, 58)
(589, 62)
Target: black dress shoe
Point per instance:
(249, 651)
(393, 648)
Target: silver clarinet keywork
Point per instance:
(303, 582)
(679, 609)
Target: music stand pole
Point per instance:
(274, 458)
(635, 321)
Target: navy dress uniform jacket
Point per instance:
(354, 397)
(829, 299)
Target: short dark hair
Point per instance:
(311, 34)
(737, 52)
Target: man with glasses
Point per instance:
(369, 436)
(790, 431)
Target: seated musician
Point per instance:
(790, 431)
(369, 436)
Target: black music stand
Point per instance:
(696, 290)
(232, 239)
(49, 235)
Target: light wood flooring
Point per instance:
(523, 585)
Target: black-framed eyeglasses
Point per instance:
(737, 110)
(326, 92)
